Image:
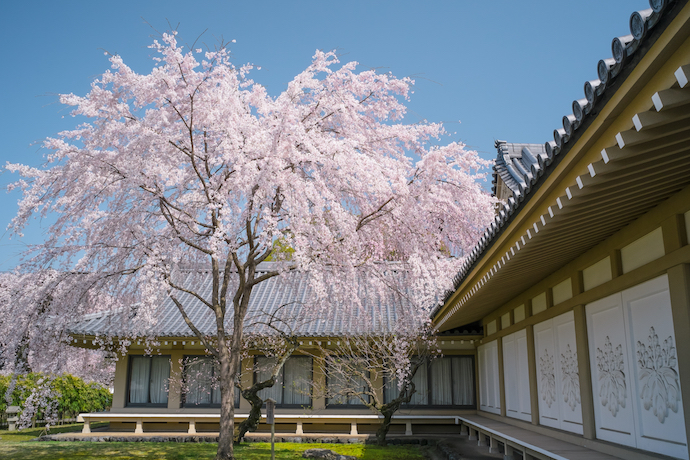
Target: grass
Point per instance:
(15, 445)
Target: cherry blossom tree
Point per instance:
(32, 332)
(195, 163)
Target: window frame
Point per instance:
(148, 392)
(427, 366)
(282, 381)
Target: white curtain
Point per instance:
(263, 372)
(297, 380)
(139, 380)
(199, 374)
(463, 380)
(441, 385)
(160, 376)
(421, 394)
(421, 385)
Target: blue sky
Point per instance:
(489, 70)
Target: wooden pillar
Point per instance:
(473, 434)
(532, 364)
(673, 230)
(408, 428)
(679, 290)
(584, 372)
(616, 263)
(353, 429)
(175, 382)
(501, 378)
(319, 377)
(247, 380)
(120, 382)
(493, 445)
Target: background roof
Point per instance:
(278, 301)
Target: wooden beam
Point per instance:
(632, 137)
(670, 98)
(652, 119)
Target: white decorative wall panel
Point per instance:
(568, 375)
(634, 370)
(489, 397)
(557, 373)
(516, 376)
(610, 366)
(661, 423)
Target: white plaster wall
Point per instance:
(643, 250)
(596, 274)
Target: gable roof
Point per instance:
(519, 166)
(286, 301)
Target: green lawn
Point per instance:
(15, 445)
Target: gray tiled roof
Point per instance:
(287, 297)
(626, 52)
(519, 166)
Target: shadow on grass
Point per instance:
(188, 451)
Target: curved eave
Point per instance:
(635, 155)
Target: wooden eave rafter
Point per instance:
(642, 167)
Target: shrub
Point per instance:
(72, 393)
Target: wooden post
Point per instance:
(501, 378)
(270, 419)
(353, 429)
(679, 290)
(532, 364)
(584, 372)
(493, 445)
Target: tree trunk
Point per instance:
(250, 394)
(382, 432)
(387, 410)
(227, 404)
